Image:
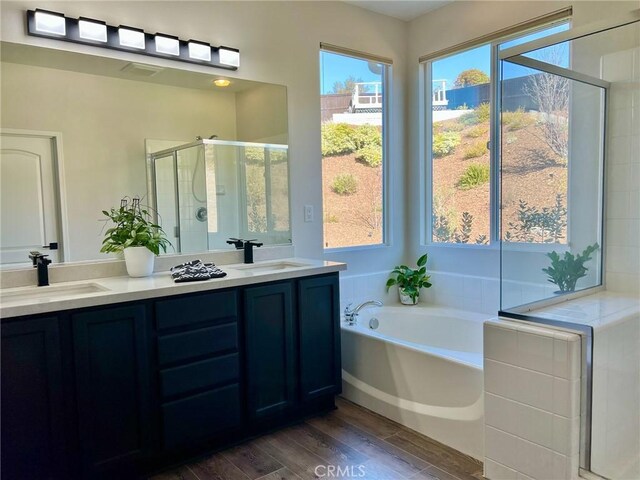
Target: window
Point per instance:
(353, 107)
(462, 115)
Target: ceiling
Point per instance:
(402, 9)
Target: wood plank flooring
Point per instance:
(355, 441)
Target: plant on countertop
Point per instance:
(133, 228)
(567, 270)
(410, 280)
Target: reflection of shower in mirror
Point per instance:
(210, 189)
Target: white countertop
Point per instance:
(600, 310)
(127, 289)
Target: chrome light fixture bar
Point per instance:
(87, 31)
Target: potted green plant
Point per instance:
(136, 235)
(410, 281)
(565, 271)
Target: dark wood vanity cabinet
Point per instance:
(270, 349)
(33, 424)
(112, 384)
(319, 337)
(153, 382)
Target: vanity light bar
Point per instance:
(87, 31)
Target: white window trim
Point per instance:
(387, 195)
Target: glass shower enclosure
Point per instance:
(209, 190)
(576, 119)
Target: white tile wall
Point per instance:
(532, 402)
(466, 292)
(622, 69)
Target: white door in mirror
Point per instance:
(29, 215)
(139, 261)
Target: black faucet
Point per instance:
(248, 245)
(41, 262)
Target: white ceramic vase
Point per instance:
(139, 261)
(406, 299)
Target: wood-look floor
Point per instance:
(369, 445)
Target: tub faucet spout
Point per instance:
(351, 315)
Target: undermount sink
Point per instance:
(270, 266)
(49, 292)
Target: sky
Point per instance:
(334, 67)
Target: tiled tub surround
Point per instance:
(421, 367)
(118, 289)
(463, 292)
(532, 381)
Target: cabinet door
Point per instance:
(32, 399)
(270, 351)
(112, 382)
(319, 324)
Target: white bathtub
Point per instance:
(422, 367)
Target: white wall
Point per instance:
(279, 43)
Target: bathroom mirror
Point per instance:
(78, 132)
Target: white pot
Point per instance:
(406, 299)
(139, 261)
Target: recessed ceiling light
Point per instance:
(222, 82)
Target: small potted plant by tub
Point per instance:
(410, 281)
(136, 235)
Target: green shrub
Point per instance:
(517, 120)
(475, 175)
(370, 154)
(478, 131)
(483, 112)
(445, 143)
(364, 135)
(452, 127)
(345, 184)
(342, 138)
(337, 139)
(480, 115)
(476, 150)
(330, 218)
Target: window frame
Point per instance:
(495, 139)
(387, 202)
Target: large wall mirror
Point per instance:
(79, 132)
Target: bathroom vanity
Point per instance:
(144, 373)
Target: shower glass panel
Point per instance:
(210, 190)
(573, 102)
(551, 182)
(165, 193)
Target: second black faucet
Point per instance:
(247, 245)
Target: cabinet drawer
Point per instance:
(195, 343)
(207, 373)
(209, 307)
(201, 416)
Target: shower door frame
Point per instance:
(515, 55)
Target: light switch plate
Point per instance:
(308, 213)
